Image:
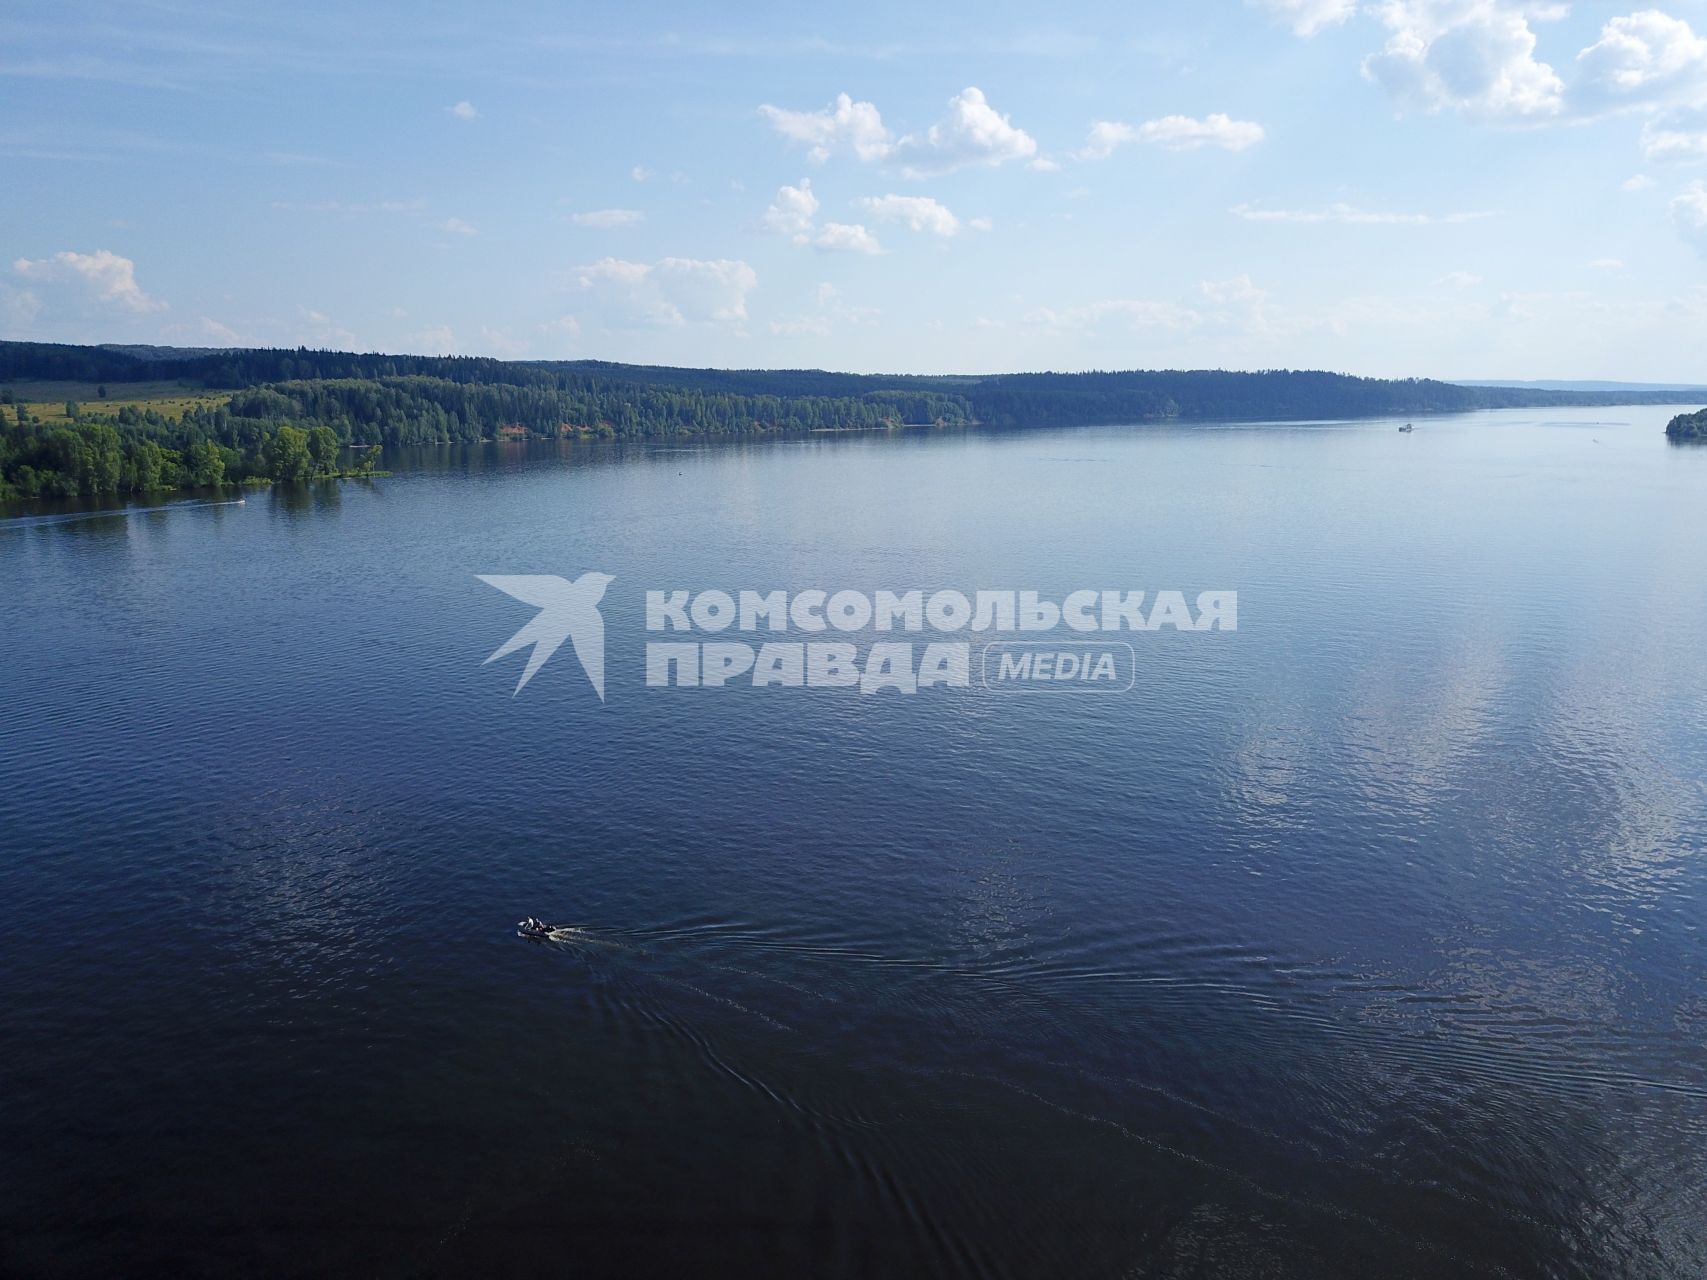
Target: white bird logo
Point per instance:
(567, 611)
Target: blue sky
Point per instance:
(1452, 188)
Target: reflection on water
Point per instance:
(1365, 940)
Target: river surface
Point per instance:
(1364, 940)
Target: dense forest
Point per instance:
(294, 414)
(1688, 426)
(138, 452)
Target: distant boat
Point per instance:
(1407, 427)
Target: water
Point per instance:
(1364, 940)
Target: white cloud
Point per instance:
(1238, 289)
(211, 330)
(1689, 215)
(1637, 182)
(830, 312)
(456, 226)
(440, 340)
(980, 224)
(919, 213)
(318, 329)
(973, 132)
(1458, 280)
(842, 237)
(1607, 264)
(1306, 17)
(607, 218)
(1676, 137)
(640, 173)
(1475, 56)
(109, 277)
(1119, 313)
(18, 311)
(671, 291)
(845, 125)
(464, 111)
(1352, 215)
(1176, 133)
(1642, 59)
(501, 343)
(791, 213)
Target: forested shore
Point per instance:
(286, 415)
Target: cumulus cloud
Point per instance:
(973, 133)
(1642, 59)
(1476, 56)
(792, 212)
(1636, 182)
(606, 218)
(671, 291)
(1176, 133)
(1306, 17)
(456, 226)
(843, 237)
(918, 213)
(464, 111)
(1676, 136)
(845, 125)
(1352, 215)
(103, 274)
(1689, 215)
(1479, 57)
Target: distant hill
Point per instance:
(142, 351)
(1692, 391)
(377, 398)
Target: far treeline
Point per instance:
(296, 414)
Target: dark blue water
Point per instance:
(1365, 940)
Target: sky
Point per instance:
(1432, 188)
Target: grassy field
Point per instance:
(46, 400)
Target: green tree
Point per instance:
(72, 410)
(100, 458)
(285, 455)
(323, 447)
(145, 466)
(204, 465)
